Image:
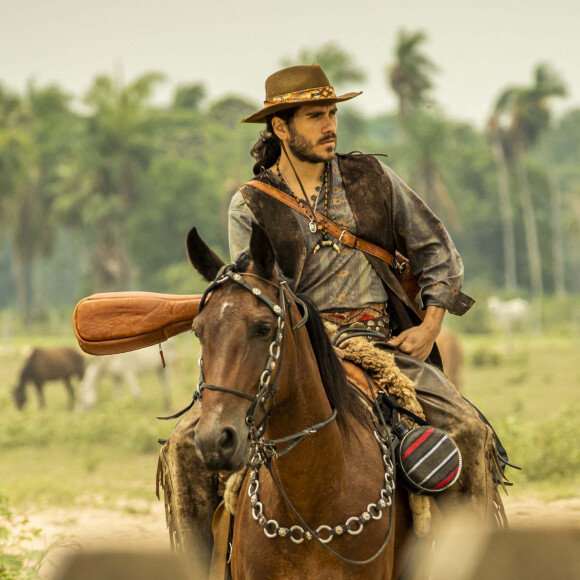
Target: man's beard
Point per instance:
(301, 148)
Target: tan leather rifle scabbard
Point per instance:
(115, 322)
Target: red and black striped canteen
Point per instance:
(428, 459)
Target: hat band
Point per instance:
(301, 96)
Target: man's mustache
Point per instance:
(327, 138)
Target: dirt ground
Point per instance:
(143, 526)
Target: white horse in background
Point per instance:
(125, 368)
(510, 315)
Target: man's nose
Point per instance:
(329, 125)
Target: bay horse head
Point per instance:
(257, 346)
(19, 395)
(240, 327)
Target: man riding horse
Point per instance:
(301, 192)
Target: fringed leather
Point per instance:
(163, 481)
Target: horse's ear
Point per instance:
(202, 258)
(262, 251)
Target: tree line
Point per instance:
(97, 194)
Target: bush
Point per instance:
(545, 450)
(17, 560)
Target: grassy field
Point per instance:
(529, 391)
(108, 456)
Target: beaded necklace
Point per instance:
(313, 225)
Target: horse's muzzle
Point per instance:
(221, 448)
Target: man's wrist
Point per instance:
(433, 320)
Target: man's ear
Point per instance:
(280, 128)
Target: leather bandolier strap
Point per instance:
(398, 262)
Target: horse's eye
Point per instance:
(262, 329)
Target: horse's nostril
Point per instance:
(228, 438)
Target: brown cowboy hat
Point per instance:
(296, 86)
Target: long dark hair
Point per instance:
(266, 150)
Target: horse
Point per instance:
(451, 355)
(126, 367)
(515, 314)
(274, 391)
(49, 364)
(510, 313)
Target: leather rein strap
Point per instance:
(398, 263)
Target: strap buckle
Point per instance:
(399, 265)
(342, 234)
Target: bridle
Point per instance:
(267, 387)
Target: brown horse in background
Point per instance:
(49, 364)
(320, 475)
(452, 356)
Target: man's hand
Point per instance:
(418, 341)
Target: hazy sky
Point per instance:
(233, 45)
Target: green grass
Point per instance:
(539, 376)
(108, 456)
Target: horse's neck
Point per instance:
(305, 406)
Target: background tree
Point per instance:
(34, 143)
(423, 147)
(411, 74)
(189, 96)
(424, 154)
(528, 114)
(110, 168)
(563, 142)
(497, 140)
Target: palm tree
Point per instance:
(528, 114)
(425, 151)
(33, 140)
(556, 223)
(410, 76)
(505, 205)
(422, 133)
(106, 184)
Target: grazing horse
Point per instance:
(318, 499)
(49, 364)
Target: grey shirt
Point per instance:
(347, 280)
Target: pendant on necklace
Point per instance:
(312, 226)
(323, 243)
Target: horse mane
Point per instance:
(340, 394)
